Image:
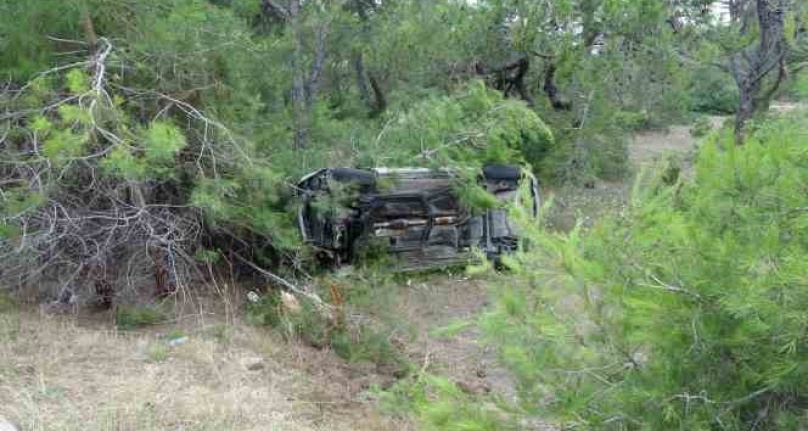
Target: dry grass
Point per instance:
(58, 375)
(649, 150)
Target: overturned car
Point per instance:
(412, 214)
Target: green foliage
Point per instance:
(161, 143)
(474, 127)
(77, 81)
(632, 120)
(369, 345)
(207, 256)
(128, 317)
(451, 330)
(800, 86)
(158, 352)
(23, 27)
(438, 404)
(369, 292)
(688, 313)
(701, 127)
(7, 302)
(712, 91)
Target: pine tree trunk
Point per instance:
(299, 104)
(759, 63)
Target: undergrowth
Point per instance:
(128, 317)
(361, 326)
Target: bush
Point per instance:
(701, 127)
(712, 92)
(133, 317)
(7, 303)
(689, 313)
(353, 341)
(438, 404)
(632, 120)
(308, 324)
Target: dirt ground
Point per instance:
(198, 374)
(207, 371)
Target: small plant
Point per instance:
(9, 327)
(366, 345)
(686, 313)
(7, 303)
(633, 120)
(438, 404)
(701, 127)
(352, 342)
(157, 353)
(308, 324)
(131, 317)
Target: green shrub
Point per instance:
(309, 324)
(438, 404)
(132, 317)
(701, 127)
(368, 345)
(157, 353)
(712, 91)
(367, 292)
(7, 302)
(689, 313)
(632, 120)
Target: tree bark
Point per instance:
(317, 66)
(518, 81)
(510, 77)
(362, 79)
(759, 63)
(551, 90)
(366, 81)
(305, 84)
(299, 103)
(380, 100)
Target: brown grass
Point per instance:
(57, 375)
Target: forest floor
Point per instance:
(209, 371)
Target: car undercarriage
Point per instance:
(413, 215)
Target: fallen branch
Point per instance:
(287, 285)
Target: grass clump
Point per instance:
(128, 317)
(701, 127)
(366, 339)
(157, 353)
(7, 302)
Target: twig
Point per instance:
(284, 283)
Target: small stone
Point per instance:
(252, 364)
(6, 425)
